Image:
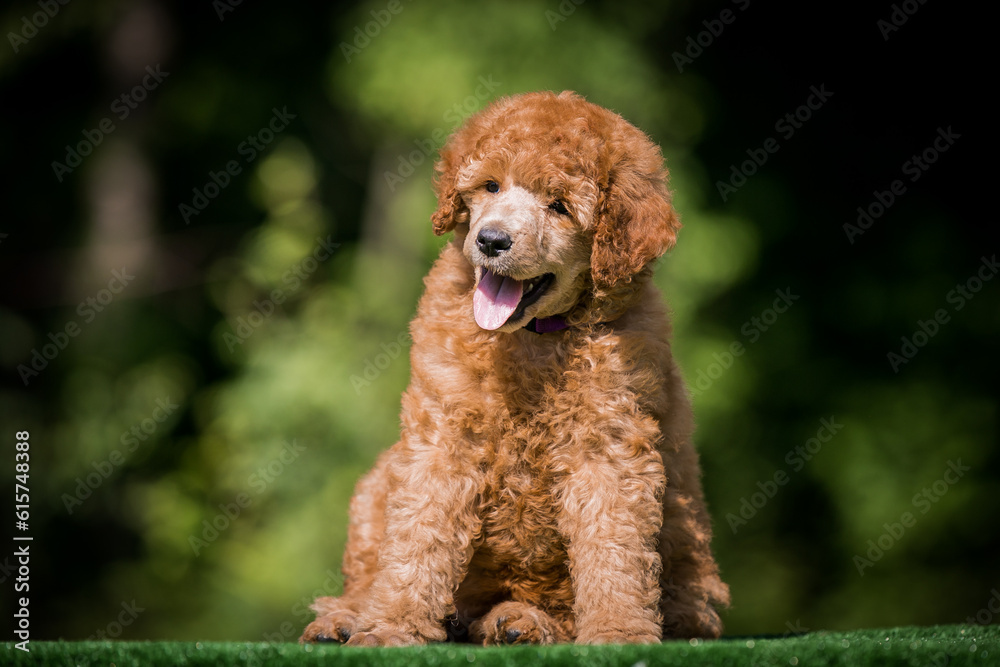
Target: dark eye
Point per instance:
(559, 207)
(492, 186)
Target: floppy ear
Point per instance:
(451, 209)
(635, 224)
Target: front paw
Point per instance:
(385, 637)
(517, 623)
(617, 637)
(334, 627)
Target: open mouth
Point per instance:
(500, 299)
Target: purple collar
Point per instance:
(546, 324)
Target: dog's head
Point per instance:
(558, 200)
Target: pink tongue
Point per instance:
(495, 299)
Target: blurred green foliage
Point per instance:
(275, 318)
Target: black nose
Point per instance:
(492, 242)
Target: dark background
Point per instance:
(221, 517)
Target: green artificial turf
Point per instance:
(928, 647)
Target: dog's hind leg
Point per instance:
(336, 617)
(692, 589)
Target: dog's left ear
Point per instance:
(451, 211)
(635, 222)
(451, 208)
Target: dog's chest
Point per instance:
(521, 424)
(519, 505)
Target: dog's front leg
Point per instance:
(610, 515)
(430, 523)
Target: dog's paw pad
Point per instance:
(516, 623)
(511, 636)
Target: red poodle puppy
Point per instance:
(545, 487)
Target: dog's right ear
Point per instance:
(635, 219)
(451, 208)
